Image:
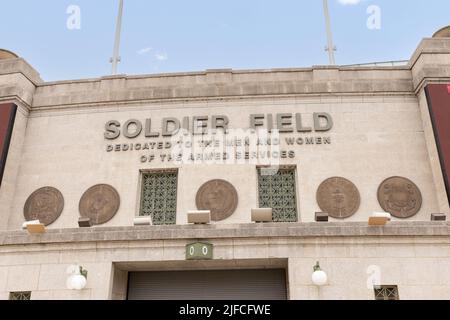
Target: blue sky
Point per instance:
(181, 35)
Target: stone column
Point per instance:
(18, 81)
(431, 64)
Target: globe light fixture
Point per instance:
(77, 279)
(319, 277)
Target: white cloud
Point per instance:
(349, 2)
(144, 51)
(161, 56)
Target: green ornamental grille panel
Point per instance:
(277, 191)
(386, 293)
(20, 295)
(159, 197)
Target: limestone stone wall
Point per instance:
(381, 129)
(374, 137)
(414, 256)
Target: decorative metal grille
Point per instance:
(20, 295)
(159, 197)
(386, 293)
(277, 191)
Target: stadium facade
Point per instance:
(324, 148)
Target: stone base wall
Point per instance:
(414, 256)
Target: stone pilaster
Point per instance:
(18, 82)
(431, 64)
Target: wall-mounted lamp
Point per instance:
(199, 216)
(319, 277)
(84, 222)
(321, 217)
(262, 215)
(379, 218)
(142, 221)
(34, 227)
(77, 279)
(438, 217)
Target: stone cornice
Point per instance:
(430, 46)
(429, 63)
(192, 232)
(19, 65)
(224, 84)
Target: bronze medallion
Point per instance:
(219, 196)
(338, 197)
(400, 197)
(45, 205)
(100, 203)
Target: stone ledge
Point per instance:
(270, 230)
(221, 84)
(430, 46)
(19, 65)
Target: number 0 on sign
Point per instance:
(199, 251)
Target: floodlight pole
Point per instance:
(330, 46)
(116, 57)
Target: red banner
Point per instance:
(438, 96)
(7, 117)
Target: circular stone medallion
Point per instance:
(100, 203)
(45, 205)
(338, 197)
(219, 196)
(400, 197)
